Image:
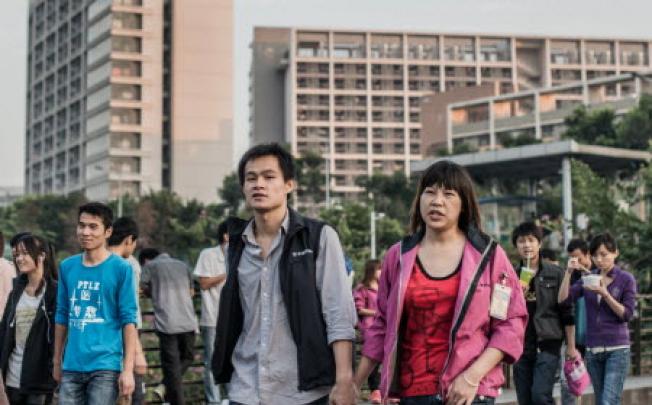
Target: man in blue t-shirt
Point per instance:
(95, 317)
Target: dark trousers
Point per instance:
(535, 375)
(176, 357)
(436, 400)
(16, 398)
(374, 378)
(138, 397)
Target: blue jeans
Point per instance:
(535, 375)
(92, 388)
(210, 388)
(608, 371)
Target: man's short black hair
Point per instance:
(527, 229)
(123, 228)
(284, 158)
(147, 254)
(575, 244)
(549, 254)
(99, 210)
(222, 229)
(603, 239)
(14, 239)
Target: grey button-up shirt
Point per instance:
(265, 356)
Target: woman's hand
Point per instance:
(601, 290)
(463, 390)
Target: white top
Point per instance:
(135, 266)
(25, 313)
(211, 263)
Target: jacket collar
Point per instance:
(478, 239)
(237, 226)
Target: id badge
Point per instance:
(500, 298)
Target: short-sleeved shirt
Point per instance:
(169, 282)
(211, 263)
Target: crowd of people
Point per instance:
(437, 318)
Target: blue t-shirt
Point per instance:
(95, 303)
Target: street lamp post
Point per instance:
(373, 218)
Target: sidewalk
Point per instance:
(638, 391)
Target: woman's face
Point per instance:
(440, 208)
(377, 274)
(604, 259)
(24, 261)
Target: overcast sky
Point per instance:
(605, 18)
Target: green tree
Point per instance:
(635, 129)
(310, 178)
(509, 141)
(591, 127)
(390, 194)
(231, 193)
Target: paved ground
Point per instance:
(638, 391)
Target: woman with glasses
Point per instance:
(610, 297)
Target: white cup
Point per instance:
(592, 280)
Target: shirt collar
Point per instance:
(248, 235)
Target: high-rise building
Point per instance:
(128, 96)
(354, 96)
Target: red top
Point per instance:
(427, 321)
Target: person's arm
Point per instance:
(465, 386)
(564, 288)
(624, 310)
(338, 311)
(127, 309)
(146, 281)
(360, 298)
(60, 334)
(126, 381)
(571, 351)
(61, 324)
(206, 283)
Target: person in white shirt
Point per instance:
(211, 273)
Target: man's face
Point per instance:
(528, 247)
(91, 232)
(264, 187)
(130, 246)
(583, 259)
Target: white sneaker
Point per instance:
(225, 402)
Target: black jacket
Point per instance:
(36, 374)
(315, 362)
(550, 318)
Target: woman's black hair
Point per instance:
(452, 176)
(35, 246)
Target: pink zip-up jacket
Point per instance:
(476, 330)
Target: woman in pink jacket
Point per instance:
(365, 295)
(450, 308)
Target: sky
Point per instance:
(604, 18)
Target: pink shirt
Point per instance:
(7, 274)
(365, 298)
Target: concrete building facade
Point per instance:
(124, 98)
(485, 123)
(355, 96)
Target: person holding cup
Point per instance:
(535, 373)
(610, 297)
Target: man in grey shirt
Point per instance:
(168, 282)
(286, 321)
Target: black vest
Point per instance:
(297, 276)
